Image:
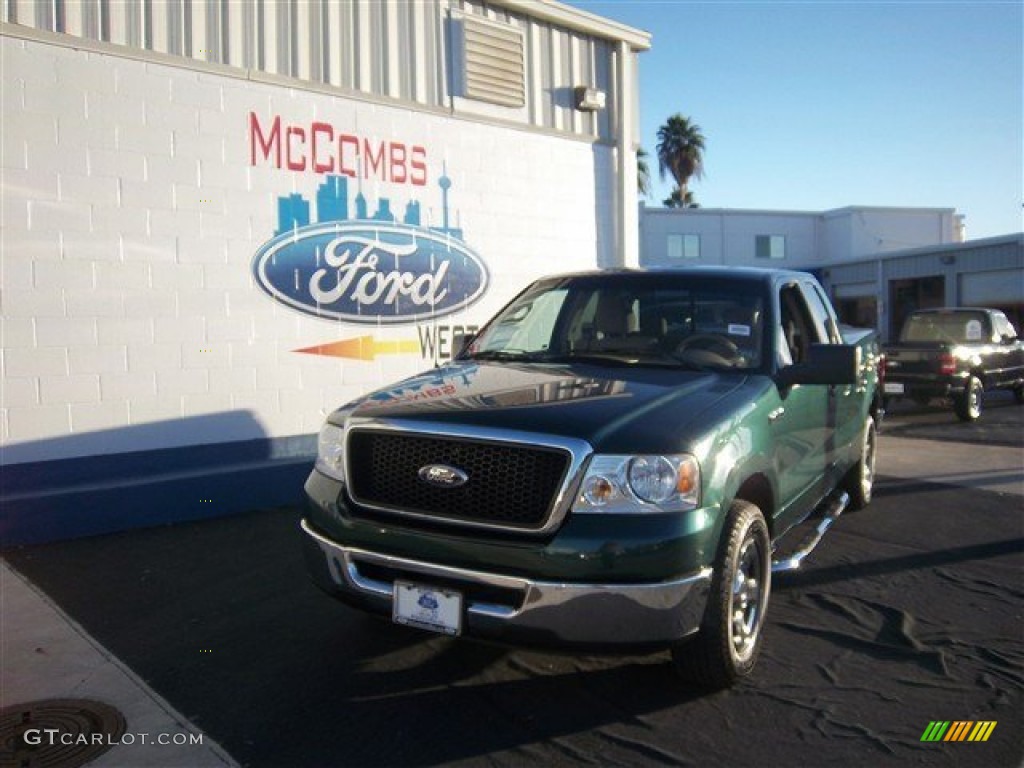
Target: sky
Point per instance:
(818, 105)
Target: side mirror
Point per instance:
(828, 364)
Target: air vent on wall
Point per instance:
(493, 62)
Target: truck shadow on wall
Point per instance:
(151, 474)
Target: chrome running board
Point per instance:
(833, 509)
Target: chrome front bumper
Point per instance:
(536, 612)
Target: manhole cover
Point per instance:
(57, 733)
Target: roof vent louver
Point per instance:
(493, 62)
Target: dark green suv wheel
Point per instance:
(860, 480)
(729, 641)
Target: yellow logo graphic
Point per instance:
(958, 730)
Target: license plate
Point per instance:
(437, 610)
(893, 388)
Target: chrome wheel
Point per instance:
(968, 405)
(746, 601)
(860, 479)
(729, 641)
(974, 400)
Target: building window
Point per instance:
(684, 246)
(770, 246)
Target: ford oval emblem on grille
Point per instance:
(443, 476)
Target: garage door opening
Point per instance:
(906, 296)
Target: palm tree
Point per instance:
(681, 152)
(643, 173)
(679, 200)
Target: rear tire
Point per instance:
(729, 641)
(1018, 394)
(860, 480)
(968, 405)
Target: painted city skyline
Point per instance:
(332, 204)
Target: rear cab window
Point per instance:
(948, 327)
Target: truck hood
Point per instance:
(615, 410)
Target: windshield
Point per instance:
(629, 321)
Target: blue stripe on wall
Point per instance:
(71, 498)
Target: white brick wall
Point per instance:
(16, 332)
(122, 387)
(37, 423)
(98, 360)
(66, 332)
(131, 215)
(93, 246)
(35, 363)
(55, 390)
(124, 330)
(99, 416)
(21, 392)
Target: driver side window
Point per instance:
(798, 329)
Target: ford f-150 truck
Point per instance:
(955, 353)
(617, 460)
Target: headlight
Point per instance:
(330, 454)
(652, 478)
(616, 484)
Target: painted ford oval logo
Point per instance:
(363, 272)
(443, 476)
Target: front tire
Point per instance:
(729, 641)
(860, 480)
(968, 405)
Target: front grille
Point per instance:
(509, 485)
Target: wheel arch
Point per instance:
(757, 490)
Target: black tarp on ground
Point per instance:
(909, 612)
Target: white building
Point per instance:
(789, 239)
(882, 290)
(221, 220)
(878, 264)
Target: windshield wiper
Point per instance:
(611, 357)
(689, 365)
(593, 358)
(503, 355)
(624, 358)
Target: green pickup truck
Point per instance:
(617, 461)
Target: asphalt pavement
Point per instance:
(910, 612)
(929, 444)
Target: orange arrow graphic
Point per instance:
(363, 348)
